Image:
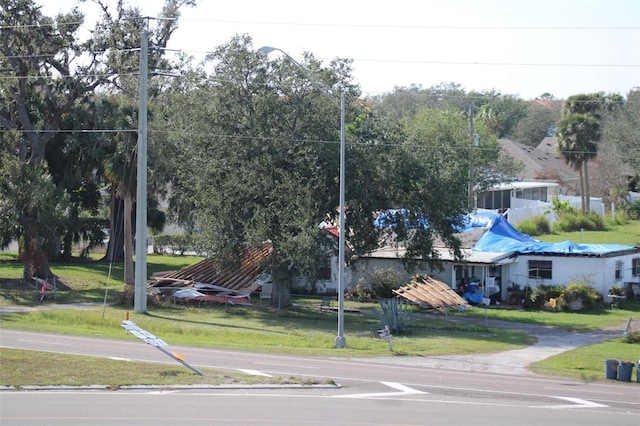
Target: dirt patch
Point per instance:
(29, 285)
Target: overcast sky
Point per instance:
(519, 47)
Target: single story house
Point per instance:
(500, 259)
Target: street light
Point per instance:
(340, 342)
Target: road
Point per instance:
(371, 392)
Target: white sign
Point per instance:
(140, 333)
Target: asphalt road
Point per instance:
(389, 391)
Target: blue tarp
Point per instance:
(501, 236)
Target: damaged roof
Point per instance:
(239, 278)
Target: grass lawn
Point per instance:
(628, 234)
(301, 330)
(587, 363)
(21, 368)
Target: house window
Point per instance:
(619, 270)
(540, 269)
(324, 272)
(635, 266)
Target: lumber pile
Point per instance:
(429, 293)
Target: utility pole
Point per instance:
(474, 144)
(140, 297)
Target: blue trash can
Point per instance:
(625, 370)
(611, 369)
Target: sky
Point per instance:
(524, 47)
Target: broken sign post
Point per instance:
(156, 342)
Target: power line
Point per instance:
(374, 26)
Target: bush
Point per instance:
(177, 244)
(379, 284)
(579, 295)
(634, 210)
(573, 297)
(542, 293)
(633, 337)
(572, 221)
(537, 225)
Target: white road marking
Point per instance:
(254, 372)
(577, 403)
(403, 391)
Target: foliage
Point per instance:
(537, 225)
(50, 102)
(616, 290)
(175, 244)
(634, 210)
(632, 337)
(577, 221)
(583, 295)
(535, 125)
(395, 315)
(540, 295)
(579, 132)
(561, 207)
(378, 284)
(574, 296)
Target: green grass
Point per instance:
(297, 331)
(587, 363)
(582, 321)
(628, 234)
(21, 368)
(88, 280)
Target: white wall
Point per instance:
(522, 209)
(595, 271)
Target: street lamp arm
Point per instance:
(326, 90)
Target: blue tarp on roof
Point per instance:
(501, 236)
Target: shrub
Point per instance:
(378, 284)
(634, 210)
(537, 225)
(177, 244)
(616, 290)
(633, 337)
(571, 222)
(578, 295)
(542, 293)
(573, 297)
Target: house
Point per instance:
(499, 259)
(495, 256)
(542, 162)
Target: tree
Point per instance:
(620, 148)
(42, 87)
(51, 80)
(578, 132)
(537, 122)
(259, 161)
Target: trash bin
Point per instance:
(625, 370)
(611, 369)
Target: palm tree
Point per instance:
(578, 135)
(120, 171)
